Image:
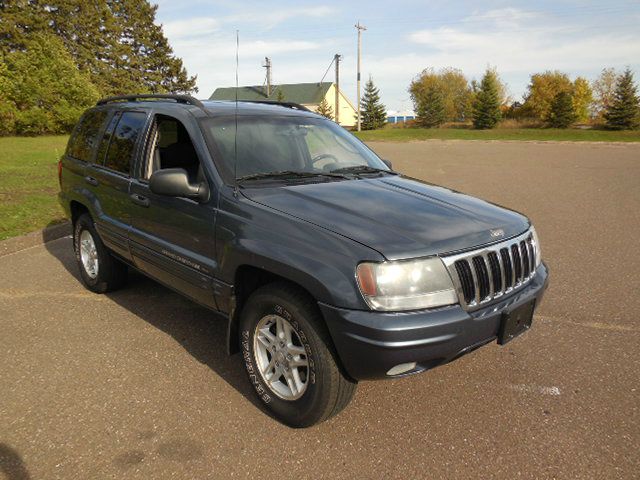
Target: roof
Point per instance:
(303, 93)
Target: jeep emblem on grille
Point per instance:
(498, 232)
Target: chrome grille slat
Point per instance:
(532, 254)
(524, 254)
(489, 272)
(496, 273)
(504, 287)
(517, 264)
(475, 282)
(485, 259)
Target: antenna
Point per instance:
(235, 138)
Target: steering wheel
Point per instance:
(322, 156)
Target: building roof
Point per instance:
(303, 93)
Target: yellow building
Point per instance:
(308, 94)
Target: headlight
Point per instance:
(536, 245)
(406, 284)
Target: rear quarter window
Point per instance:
(85, 136)
(122, 146)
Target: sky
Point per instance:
(402, 39)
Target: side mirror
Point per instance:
(174, 182)
(387, 163)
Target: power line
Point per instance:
(327, 71)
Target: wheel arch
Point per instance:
(247, 279)
(77, 209)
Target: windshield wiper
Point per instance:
(355, 169)
(288, 174)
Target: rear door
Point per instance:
(81, 152)
(110, 178)
(172, 239)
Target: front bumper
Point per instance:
(370, 343)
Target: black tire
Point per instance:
(111, 273)
(328, 390)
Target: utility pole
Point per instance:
(337, 106)
(267, 65)
(360, 28)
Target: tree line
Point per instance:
(58, 57)
(552, 99)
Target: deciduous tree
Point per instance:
(453, 87)
(582, 98)
(543, 89)
(604, 88)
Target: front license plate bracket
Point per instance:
(515, 322)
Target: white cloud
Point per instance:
(192, 27)
(270, 19)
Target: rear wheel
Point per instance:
(289, 357)
(100, 271)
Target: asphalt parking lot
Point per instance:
(137, 384)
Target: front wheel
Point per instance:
(289, 357)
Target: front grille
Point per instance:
(488, 273)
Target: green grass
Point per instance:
(29, 183)
(536, 134)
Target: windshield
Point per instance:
(267, 145)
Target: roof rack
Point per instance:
(186, 99)
(295, 106)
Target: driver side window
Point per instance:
(171, 147)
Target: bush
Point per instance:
(45, 91)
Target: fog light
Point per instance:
(402, 368)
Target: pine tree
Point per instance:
(115, 42)
(624, 112)
(374, 113)
(325, 109)
(561, 113)
(430, 109)
(280, 96)
(486, 106)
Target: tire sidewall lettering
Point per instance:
(255, 377)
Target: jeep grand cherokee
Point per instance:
(327, 266)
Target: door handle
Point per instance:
(139, 200)
(91, 181)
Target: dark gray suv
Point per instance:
(327, 266)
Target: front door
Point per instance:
(172, 239)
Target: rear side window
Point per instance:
(123, 141)
(85, 136)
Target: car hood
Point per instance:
(398, 216)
